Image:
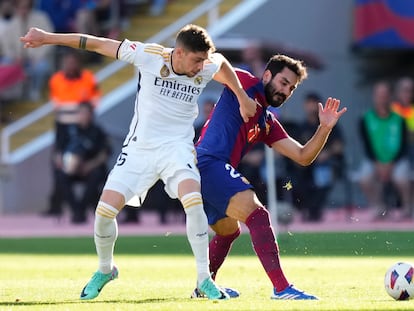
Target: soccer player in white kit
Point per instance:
(159, 144)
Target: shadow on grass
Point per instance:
(160, 301)
(72, 302)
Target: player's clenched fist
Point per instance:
(247, 108)
(34, 38)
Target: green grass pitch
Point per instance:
(345, 270)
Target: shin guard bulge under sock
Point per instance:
(106, 233)
(197, 231)
(265, 246)
(219, 248)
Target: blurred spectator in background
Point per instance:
(403, 105)
(157, 7)
(97, 17)
(37, 63)
(318, 178)
(11, 75)
(6, 14)
(80, 155)
(207, 107)
(62, 13)
(253, 59)
(100, 17)
(68, 88)
(386, 166)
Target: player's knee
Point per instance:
(236, 233)
(113, 198)
(229, 232)
(261, 215)
(242, 204)
(226, 226)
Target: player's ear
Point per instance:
(180, 51)
(267, 76)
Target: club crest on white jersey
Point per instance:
(166, 103)
(164, 72)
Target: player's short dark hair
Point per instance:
(195, 39)
(279, 61)
(313, 96)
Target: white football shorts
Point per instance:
(137, 170)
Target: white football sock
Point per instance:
(197, 232)
(106, 233)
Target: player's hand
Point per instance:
(329, 114)
(248, 108)
(33, 38)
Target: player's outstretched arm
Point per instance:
(306, 154)
(36, 37)
(227, 75)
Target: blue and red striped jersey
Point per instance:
(226, 136)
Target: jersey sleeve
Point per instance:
(214, 62)
(274, 130)
(138, 53)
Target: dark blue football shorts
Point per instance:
(219, 182)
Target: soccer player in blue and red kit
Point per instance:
(225, 139)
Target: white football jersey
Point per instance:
(166, 103)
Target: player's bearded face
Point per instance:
(274, 97)
(280, 87)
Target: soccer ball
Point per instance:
(399, 281)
